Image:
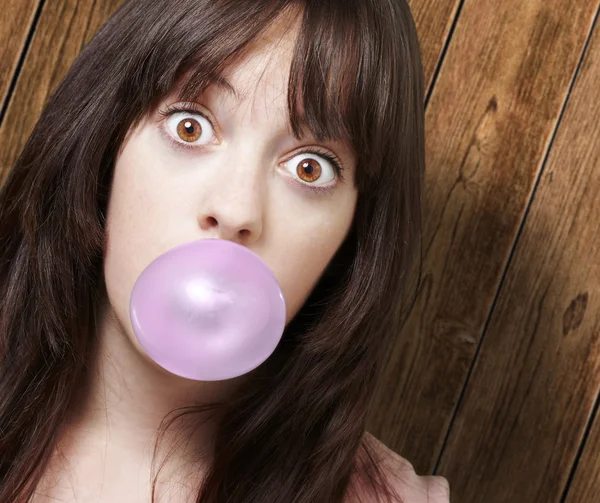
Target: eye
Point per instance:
(311, 167)
(188, 127)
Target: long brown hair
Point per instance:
(294, 432)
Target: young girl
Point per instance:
(287, 133)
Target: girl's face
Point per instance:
(227, 167)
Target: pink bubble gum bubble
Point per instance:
(208, 310)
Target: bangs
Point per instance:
(338, 88)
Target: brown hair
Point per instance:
(294, 432)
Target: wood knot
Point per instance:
(574, 314)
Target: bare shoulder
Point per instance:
(411, 487)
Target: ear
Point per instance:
(401, 475)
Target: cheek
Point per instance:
(123, 256)
(132, 233)
(303, 261)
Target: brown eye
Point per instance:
(312, 169)
(309, 170)
(189, 128)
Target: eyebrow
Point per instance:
(224, 84)
(218, 81)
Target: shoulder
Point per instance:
(412, 488)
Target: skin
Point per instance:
(238, 183)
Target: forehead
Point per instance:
(263, 67)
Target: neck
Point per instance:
(108, 446)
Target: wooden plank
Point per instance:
(63, 30)
(538, 373)
(433, 19)
(585, 487)
(15, 24)
(492, 113)
(580, 140)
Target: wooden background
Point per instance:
(495, 380)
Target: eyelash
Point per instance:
(332, 158)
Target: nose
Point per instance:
(233, 206)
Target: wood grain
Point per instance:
(538, 372)
(433, 19)
(492, 113)
(15, 23)
(579, 139)
(63, 30)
